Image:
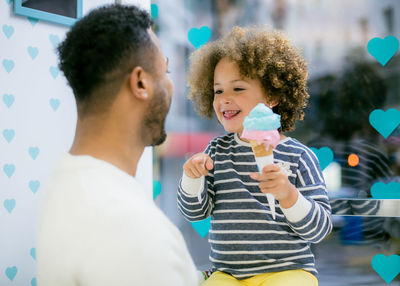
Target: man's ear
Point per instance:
(139, 83)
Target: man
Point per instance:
(96, 224)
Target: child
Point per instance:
(248, 247)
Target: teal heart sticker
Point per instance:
(324, 155)
(8, 31)
(33, 282)
(386, 191)
(54, 71)
(199, 37)
(8, 99)
(154, 11)
(54, 39)
(385, 122)
(54, 103)
(11, 272)
(8, 65)
(8, 134)
(33, 253)
(156, 189)
(33, 152)
(383, 49)
(9, 169)
(33, 21)
(386, 267)
(9, 205)
(33, 52)
(34, 186)
(202, 227)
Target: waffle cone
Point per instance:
(259, 150)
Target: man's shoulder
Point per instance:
(92, 188)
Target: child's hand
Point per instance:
(273, 180)
(198, 165)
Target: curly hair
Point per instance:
(100, 49)
(260, 53)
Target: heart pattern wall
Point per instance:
(37, 123)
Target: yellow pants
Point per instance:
(296, 277)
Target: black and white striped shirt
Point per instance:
(245, 239)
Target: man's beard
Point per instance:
(153, 132)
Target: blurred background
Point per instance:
(345, 84)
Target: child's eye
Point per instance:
(238, 89)
(218, 91)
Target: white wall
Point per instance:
(38, 107)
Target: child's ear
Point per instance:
(272, 104)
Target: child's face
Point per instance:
(234, 96)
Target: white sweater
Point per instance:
(96, 226)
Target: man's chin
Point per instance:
(159, 140)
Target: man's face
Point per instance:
(158, 107)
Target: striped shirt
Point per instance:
(245, 239)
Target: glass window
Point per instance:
(346, 84)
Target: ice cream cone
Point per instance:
(260, 127)
(260, 150)
(264, 157)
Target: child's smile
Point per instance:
(229, 114)
(234, 95)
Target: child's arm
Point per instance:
(310, 183)
(305, 204)
(195, 191)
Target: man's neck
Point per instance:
(112, 147)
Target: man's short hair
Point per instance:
(101, 49)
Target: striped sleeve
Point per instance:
(317, 224)
(198, 206)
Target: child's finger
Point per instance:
(271, 168)
(263, 176)
(268, 185)
(200, 168)
(254, 176)
(205, 160)
(190, 173)
(208, 163)
(197, 159)
(196, 171)
(196, 165)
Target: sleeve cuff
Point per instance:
(192, 187)
(299, 210)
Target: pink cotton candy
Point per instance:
(268, 137)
